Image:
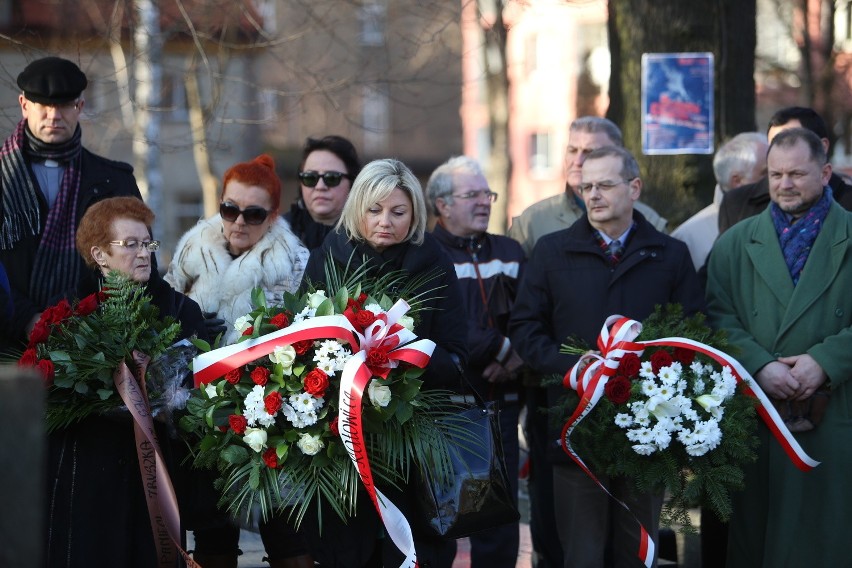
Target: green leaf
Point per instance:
(57, 356)
(407, 389)
(202, 345)
(235, 455)
(104, 394)
(258, 298)
(81, 388)
(326, 308)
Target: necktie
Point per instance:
(614, 251)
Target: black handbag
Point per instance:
(478, 495)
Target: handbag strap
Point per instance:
(464, 381)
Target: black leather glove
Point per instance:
(215, 325)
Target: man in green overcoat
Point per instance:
(780, 284)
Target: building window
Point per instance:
(372, 17)
(173, 98)
(541, 152)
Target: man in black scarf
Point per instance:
(47, 181)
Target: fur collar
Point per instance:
(204, 270)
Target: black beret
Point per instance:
(52, 80)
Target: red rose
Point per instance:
(684, 356)
(280, 321)
(272, 402)
(303, 347)
(377, 357)
(362, 297)
(630, 365)
(660, 359)
(316, 382)
(270, 458)
(332, 427)
(233, 376)
(249, 331)
(46, 368)
(103, 294)
(61, 311)
(28, 358)
(364, 318)
(39, 334)
(260, 375)
(238, 423)
(349, 313)
(87, 305)
(617, 389)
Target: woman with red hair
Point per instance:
(217, 264)
(247, 245)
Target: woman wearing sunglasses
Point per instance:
(247, 245)
(326, 172)
(218, 263)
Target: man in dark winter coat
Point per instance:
(488, 268)
(48, 181)
(612, 261)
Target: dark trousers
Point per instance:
(547, 552)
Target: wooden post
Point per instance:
(22, 485)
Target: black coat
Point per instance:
(303, 225)
(749, 200)
(444, 318)
(97, 515)
(569, 289)
(100, 178)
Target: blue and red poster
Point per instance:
(677, 103)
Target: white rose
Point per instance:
(309, 444)
(210, 389)
(380, 394)
(317, 298)
(255, 438)
(407, 322)
(242, 323)
(285, 356)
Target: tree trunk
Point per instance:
(679, 185)
(148, 75)
(200, 146)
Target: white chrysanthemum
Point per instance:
(650, 388)
(375, 308)
(253, 408)
(299, 419)
(682, 402)
(644, 422)
(243, 323)
(668, 376)
(666, 391)
(640, 411)
(698, 386)
(306, 313)
(687, 437)
(677, 367)
(690, 414)
(697, 450)
(623, 420)
(304, 402)
(708, 432)
(665, 423)
(662, 437)
(644, 449)
(697, 368)
(646, 371)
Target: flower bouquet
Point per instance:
(79, 347)
(664, 412)
(279, 417)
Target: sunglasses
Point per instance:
(310, 178)
(252, 215)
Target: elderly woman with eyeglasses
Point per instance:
(96, 510)
(383, 225)
(247, 245)
(328, 166)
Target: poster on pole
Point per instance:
(677, 103)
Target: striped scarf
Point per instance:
(57, 264)
(797, 239)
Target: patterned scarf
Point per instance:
(614, 252)
(797, 239)
(57, 263)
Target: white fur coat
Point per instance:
(203, 269)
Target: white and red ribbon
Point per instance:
(401, 346)
(617, 339)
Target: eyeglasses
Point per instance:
(311, 178)
(477, 194)
(252, 215)
(603, 186)
(133, 244)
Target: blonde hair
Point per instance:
(376, 181)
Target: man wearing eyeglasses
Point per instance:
(611, 261)
(488, 268)
(48, 181)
